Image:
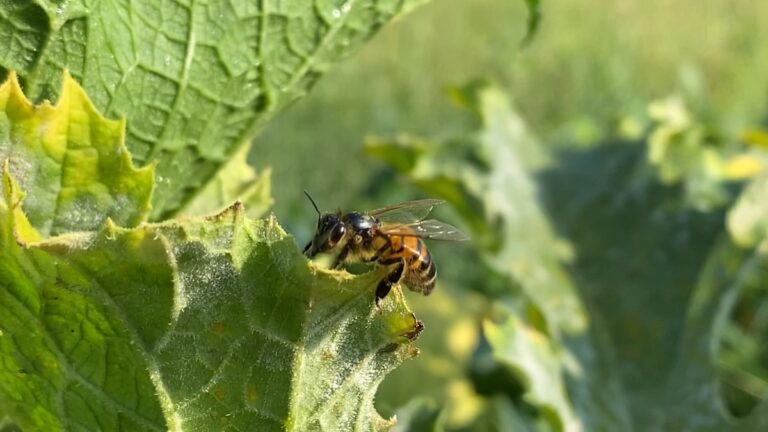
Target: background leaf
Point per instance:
(659, 279)
(748, 219)
(237, 181)
(541, 333)
(534, 19)
(419, 415)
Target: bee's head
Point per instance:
(331, 229)
(330, 232)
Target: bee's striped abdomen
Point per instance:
(420, 274)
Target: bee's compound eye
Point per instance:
(337, 233)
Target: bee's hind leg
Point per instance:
(386, 284)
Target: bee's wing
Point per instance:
(406, 212)
(428, 229)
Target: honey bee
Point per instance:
(392, 237)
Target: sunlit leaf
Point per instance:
(237, 181)
(71, 162)
(194, 79)
(748, 219)
(215, 323)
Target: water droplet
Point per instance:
(346, 7)
(336, 13)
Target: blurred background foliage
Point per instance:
(596, 168)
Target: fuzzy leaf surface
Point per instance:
(206, 324)
(215, 323)
(71, 161)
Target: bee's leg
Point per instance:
(341, 257)
(386, 284)
(306, 248)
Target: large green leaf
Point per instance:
(661, 277)
(658, 279)
(195, 79)
(213, 324)
(216, 323)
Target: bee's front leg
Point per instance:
(341, 257)
(386, 284)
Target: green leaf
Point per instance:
(661, 276)
(237, 181)
(741, 364)
(534, 19)
(7, 425)
(748, 219)
(503, 415)
(419, 415)
(687, 149)
(547, 342)
(71, 161)
(206, 324)
(660, 279)
(194, 79)
(215, 323)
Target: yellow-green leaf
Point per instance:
(71, 161)
(237, 181)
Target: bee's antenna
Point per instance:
(313, 203)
